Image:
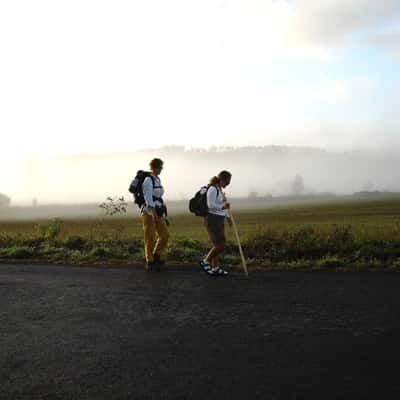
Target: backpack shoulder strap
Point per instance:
(148, 174)
(216, 187)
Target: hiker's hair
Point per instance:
(156, 163)
(223, 175)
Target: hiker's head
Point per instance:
(156, 166)
(223, 179)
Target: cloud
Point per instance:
(256, 31)
(334, 22)
(388, 39)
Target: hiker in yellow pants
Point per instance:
(155, 240)
(153, 213)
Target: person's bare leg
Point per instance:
(210, 255)
(214, 261)
(214, 253)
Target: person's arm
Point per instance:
(148, 196)
(213, 203)
(148, 192)
(226, 211)
(226, 207)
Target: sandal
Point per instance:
(219, 271)
(206, 267)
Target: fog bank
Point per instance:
(257, 171)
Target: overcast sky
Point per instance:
(94, 76)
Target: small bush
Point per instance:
(19, 252)
(396, 264)
(50, 230)
(101, 252)
(373, 264)
(300, 264)
(179, 253)
(231, 259)
(49, 249)
(75, 255)
(304, 243)
(340, 240)
(133, 249)
(331, 262)
(184, 249)
(261, 245)
(75, 243)
(385, 250)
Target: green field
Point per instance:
(337, 231)
(369, 219)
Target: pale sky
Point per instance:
(96, 76)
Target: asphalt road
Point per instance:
(122, 333)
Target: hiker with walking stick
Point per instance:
(210, 203)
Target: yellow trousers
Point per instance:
(156, 236)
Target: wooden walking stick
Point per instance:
(246, 272)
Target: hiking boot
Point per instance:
(158, 262)
(151, 266)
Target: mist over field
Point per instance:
(315, 75)
(257, 171)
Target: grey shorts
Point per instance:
(215, 225)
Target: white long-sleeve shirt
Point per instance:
(149, 192)
(215, 202)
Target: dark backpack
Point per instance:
(198, 204)
(136, 186)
